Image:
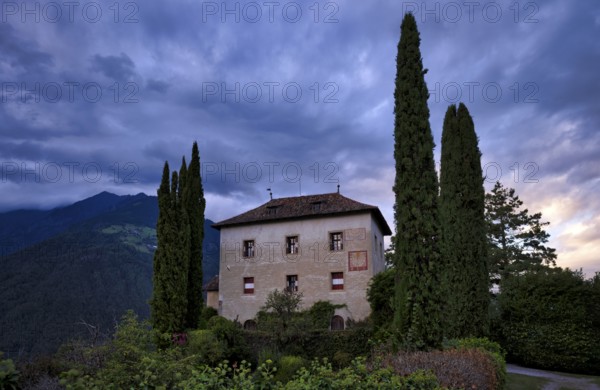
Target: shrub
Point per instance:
(9, 376)
(494, 349)
(287, 366)
(454, 368)
(320, 314)
(380, 295)
(133, 361)
(41, 372)
(341, 359)
(560, 346)
(320, 375)
(207, 313)
(206, 347)
(232, 336)
(267, 353)
(549, 319)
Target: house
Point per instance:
(326, 246)
(212, 292)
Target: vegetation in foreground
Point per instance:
(211, 359)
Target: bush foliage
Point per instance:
(551, 319)
(9, 375)
(453, 368)
(322, 359)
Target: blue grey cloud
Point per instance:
(231, 80)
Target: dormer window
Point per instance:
(272, 210)
(316, 206)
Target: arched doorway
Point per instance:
(337, 323)
(250, 325)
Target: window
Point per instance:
(337, 323)
(291, 245)
(249, 285)
(271, 210)
(249, 248)
(316, 206)
(335, 241)
(337, 280)
(291, 283)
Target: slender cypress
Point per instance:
(463, 228)
(177, 268)
(417, 297)
(159, 303)
(195, 205)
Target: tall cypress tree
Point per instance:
(417, 298)
(463, 228)
(195, 205)
(178, 253)
(159, 303)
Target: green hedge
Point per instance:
(337, 346)
(551, 320)
(561, 346)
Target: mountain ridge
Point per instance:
(92, 263)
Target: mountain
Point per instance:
(88, 262)
(22, 228)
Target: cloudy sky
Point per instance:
(296, 97)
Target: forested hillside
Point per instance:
(88, 262)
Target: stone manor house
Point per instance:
(326, 246)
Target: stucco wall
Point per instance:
(212, 299)
(313, 264)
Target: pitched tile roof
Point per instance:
(302, 207)
(212, 284)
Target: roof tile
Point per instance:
(308, 206)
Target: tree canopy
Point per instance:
(517, 239)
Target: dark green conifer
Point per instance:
(159, 303)
(177, 243)
(417, 299)
(195, 205)
(463, 228)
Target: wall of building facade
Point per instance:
(359, 259)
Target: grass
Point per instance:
(524, 382)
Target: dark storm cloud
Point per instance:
(193, 71)
(20, 52)
(119, 68)
(157, 85)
